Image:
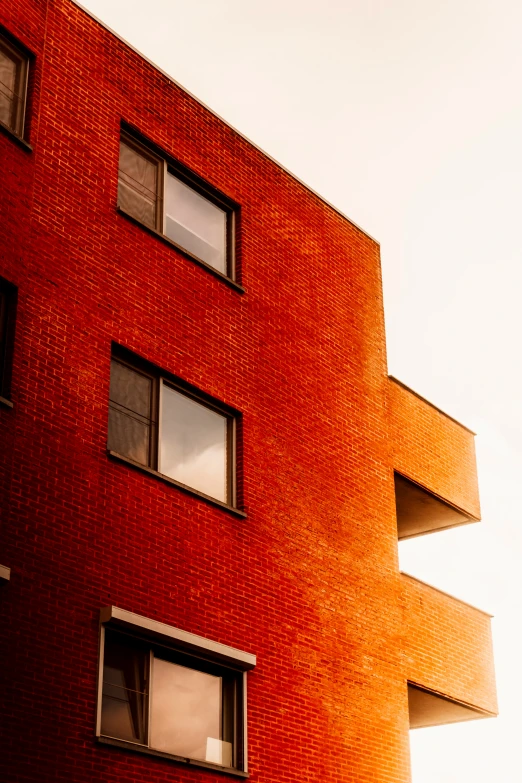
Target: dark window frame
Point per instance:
(155, 159)
(167, 164)
(187, 650)
(137, 365)
(22, 57)
(159, 378)
(8, 304)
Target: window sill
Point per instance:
(6, 403)
(227, 280)
(194, 492)
(160, 754)
(18, 139)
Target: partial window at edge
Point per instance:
(14, 67)
(8, 296)
(167, 199)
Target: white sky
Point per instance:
(407, 115)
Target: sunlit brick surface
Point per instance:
(309, 581)
(433, 449)
(447, 646)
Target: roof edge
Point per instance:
(225, 122)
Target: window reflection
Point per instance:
(155, 423)
(186, 711)
(194, 223)
(190, 709)
(193, 444)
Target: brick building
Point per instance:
(205, 467)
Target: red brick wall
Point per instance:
(309, 582)
(17, 164)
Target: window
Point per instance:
(170, 692)
(162, 424)
(8, 296)
(167, 198)
(14, 67)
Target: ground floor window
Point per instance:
(183, 700)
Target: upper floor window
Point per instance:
(14, 68)
(159, 423)
(167, 198)
(8, 296)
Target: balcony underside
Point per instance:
(420, 512)
(430, 709)
(448, 656)
(436, 453)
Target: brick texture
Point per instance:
(447, 645)
(309, 581)
(433, 449)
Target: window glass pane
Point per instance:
(130, 413)
(193, 444)
(124, 691)
(138, 185)
(128, 436)
(186, 709)
(195, 224)
(130, 389)
(8, 98)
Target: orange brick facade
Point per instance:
(433, 449)
(308, 580)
